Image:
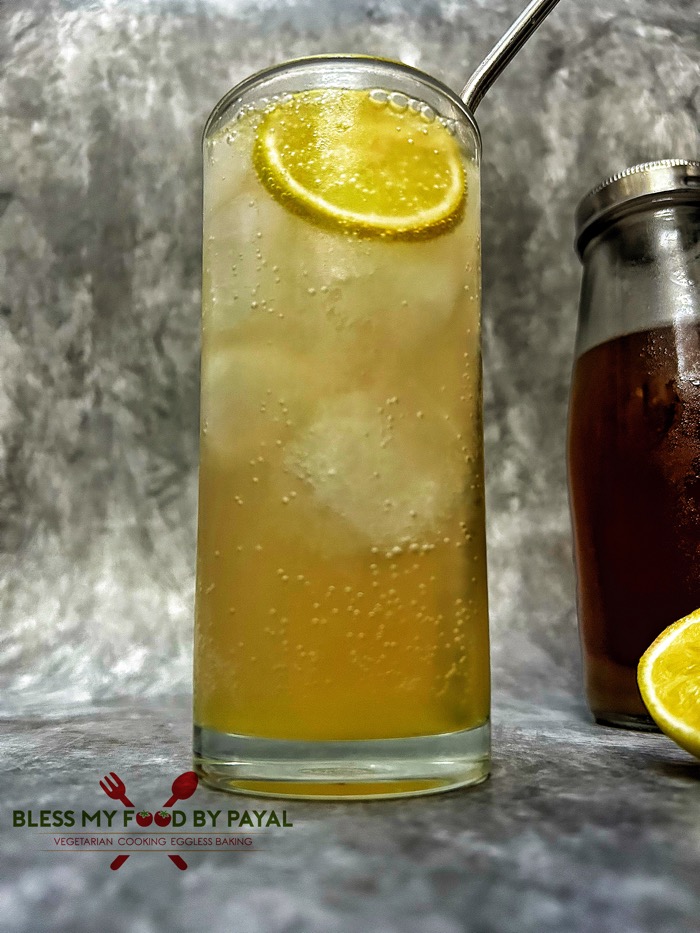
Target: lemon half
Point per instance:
(669, 681)
(369, 163)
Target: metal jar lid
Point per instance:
(651, 183)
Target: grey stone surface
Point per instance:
(101, 109)
(581, 829)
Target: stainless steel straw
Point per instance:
(504, 50)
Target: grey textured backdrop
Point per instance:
(582, 829)
(101, 110)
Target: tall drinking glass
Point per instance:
(341, 643)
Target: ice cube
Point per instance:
(405, 290)
(251, 394)
(387, 477)
(241, 241)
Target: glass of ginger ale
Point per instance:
(341, 638)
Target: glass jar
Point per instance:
(634, 424)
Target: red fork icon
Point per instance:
(115, 788)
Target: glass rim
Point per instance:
(293, 64)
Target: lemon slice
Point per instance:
(669, 681)
(366, 162)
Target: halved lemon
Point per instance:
(669, 681)
(369, 163)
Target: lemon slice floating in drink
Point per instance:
(366, 162)
(669, 681)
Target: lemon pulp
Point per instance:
(669, 681)
(367, 162)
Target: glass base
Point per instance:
(342, 770)
(640, 722)
(613, 694)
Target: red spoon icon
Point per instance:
(184, 786)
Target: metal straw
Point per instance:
(504, 50)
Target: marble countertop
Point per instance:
(581, 828)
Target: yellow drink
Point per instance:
(341, 579)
